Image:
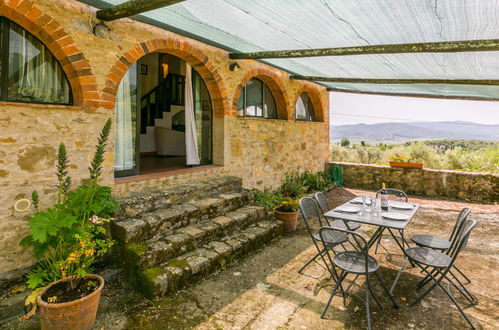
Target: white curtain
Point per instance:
(191, 144)
(124, 151)
(34, 73)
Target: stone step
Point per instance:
(165, 221)
(162, 248)
(177, 272)
(149, 201)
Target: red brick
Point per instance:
(24, 6)
(33, 14)
(114, 77)
(86, 80)
(12, 3)
(43, 20)
(92, 95)
(108, 105)
(108, 97)
(88, 87)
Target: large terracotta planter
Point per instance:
(289, 220)
(406, 165)
(75, 315)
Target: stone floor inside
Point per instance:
(265, 291)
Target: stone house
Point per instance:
(248, 119)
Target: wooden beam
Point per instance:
(429, 96)
(132, 7)
(425, 47)
(401, 81)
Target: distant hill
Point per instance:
(394, 132)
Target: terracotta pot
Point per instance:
(406, 165)
(75, 315)
(289, 220)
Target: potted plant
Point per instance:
(287, 212)
(66, 239)
(405, 162)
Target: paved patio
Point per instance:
(264, 290)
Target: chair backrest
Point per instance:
(326, 232)
(461, 240)
(395, 192)
(461, 218)
(322, 201)
(309, 210)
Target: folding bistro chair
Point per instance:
(399, 194)
(324, 206)
(437, 266)
(353, 262)
(437, 243)
(309, 210)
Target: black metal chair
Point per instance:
(403, 197)
(437, 243)
(309, 209)
(353, 262)
(437, 265)
(324, 206)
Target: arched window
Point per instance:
(28, 71)
(256, 100)
(305, 108)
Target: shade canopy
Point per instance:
(264, 25)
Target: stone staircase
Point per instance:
(171, 237)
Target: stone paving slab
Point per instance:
(264, 290)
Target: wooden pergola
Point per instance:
(134, 7)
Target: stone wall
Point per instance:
(468, 186)
(259, 151)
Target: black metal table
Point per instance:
(382, 223)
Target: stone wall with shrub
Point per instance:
(259, 151)
(467, 186)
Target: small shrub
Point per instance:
(314, 182)
(293, 185)
(267, 198)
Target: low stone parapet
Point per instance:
(468, 186)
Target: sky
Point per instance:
(349, 109)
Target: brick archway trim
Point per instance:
(276, 86)
(183, 49)
(315, 97)
(61, 45)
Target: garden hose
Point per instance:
(336, 176)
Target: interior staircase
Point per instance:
(171, 237)
(170, 91)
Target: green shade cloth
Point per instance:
(257, 25)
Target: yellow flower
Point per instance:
(83, 244)
(89, 252)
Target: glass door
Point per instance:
(203, 116)
(127, 123)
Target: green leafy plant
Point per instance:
(292, 186)
(67, 237)
(315, 181)
(267, 198)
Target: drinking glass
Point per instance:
(376, 207)
(367, 202)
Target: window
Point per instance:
(256, 100)
(305, 108)
(28, 71)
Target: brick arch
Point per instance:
(276, 86)
(61, 45)
(315, 97)
(183, 49)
